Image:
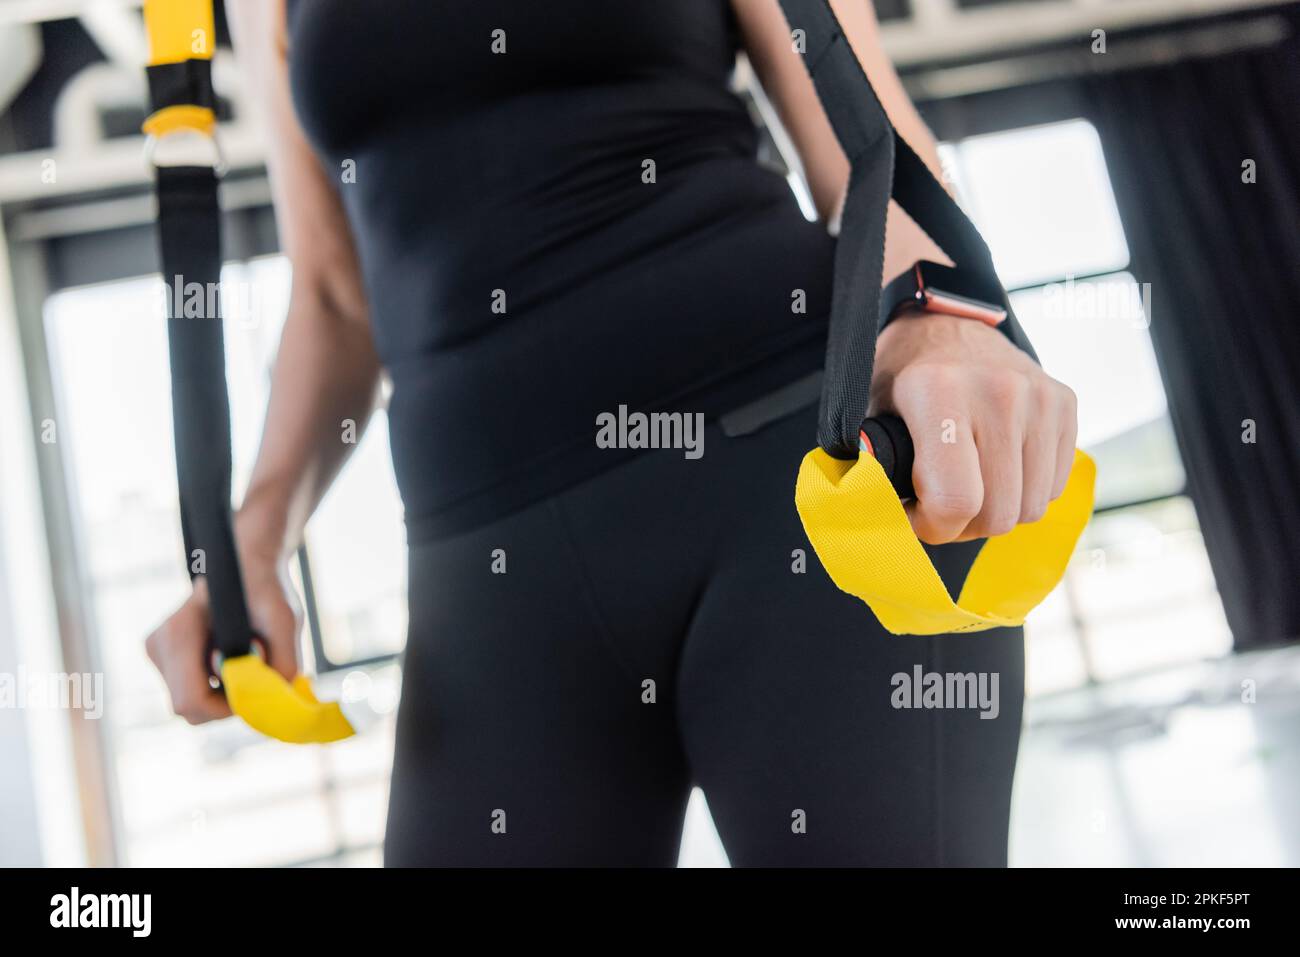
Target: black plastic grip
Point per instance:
(891, 444)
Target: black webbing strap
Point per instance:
(189, 232)
(187, 83)
(882, 165)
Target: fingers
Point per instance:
(1000, 437)
(274, 617)
(946, 472)
(279, 627)
(993, 447)
(178, 649)
(1069, 435)
(1039, 472)
(1050, 434)
(1041, 446)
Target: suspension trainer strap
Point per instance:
(882, 165)
(182, 38)
(189, 232)
(849, 507)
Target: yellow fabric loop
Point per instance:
(861, 534)
(179, 30)
(287, 712)
(200, 119)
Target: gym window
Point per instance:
(1139, 594)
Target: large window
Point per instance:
(1139, 593)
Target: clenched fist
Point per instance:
(179, 646)
(994, 434)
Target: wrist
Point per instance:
(261, 533)
(936, 339)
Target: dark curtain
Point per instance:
(1223, 260)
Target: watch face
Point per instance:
(959, 292)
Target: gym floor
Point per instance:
(1197, 765)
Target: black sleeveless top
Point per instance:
(558, 210)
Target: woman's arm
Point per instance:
(994, 434)
(325, 370)
(825, 167)
(325, 373)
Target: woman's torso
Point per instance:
(558, 211)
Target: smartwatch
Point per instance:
(950, 290)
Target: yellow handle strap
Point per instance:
(199, 119)
(861, 534)
(180, 30)
(287, 712)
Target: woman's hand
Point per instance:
(994, 434)
(179, 646)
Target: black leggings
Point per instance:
(529, 732)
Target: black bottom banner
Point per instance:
(338, 907)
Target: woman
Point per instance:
(530, 216)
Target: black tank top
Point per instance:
(558, 211)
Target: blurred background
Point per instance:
(1135, 167)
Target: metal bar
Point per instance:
(1137, 503)
(43, 11)
(94, 773)
(942, 83)
(104, 215)
(1017, 26)
(113, 164)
